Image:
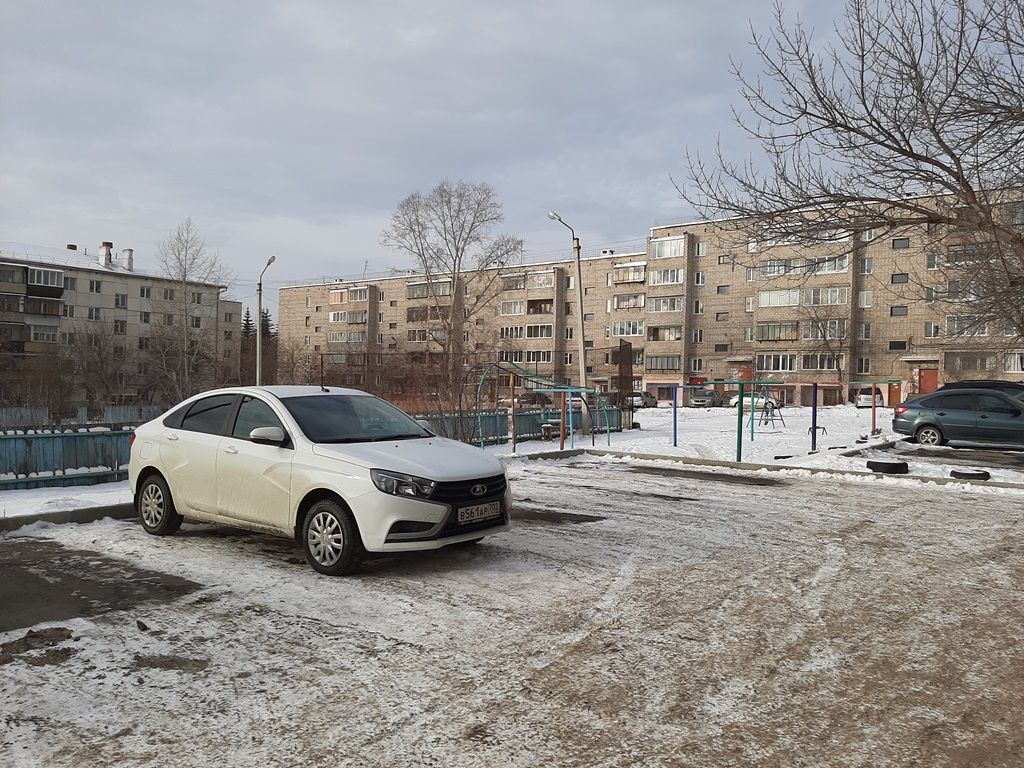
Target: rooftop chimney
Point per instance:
(105, 253)
(127, 259)
(72, 247)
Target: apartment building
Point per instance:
(62, 306)
(701, 304)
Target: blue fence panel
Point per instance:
(468, 426)
(21, 417)
(51, 456)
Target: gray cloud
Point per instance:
(294, 128)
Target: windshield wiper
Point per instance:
(395, 437)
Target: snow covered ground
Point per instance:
(638, 614)
(41, 500)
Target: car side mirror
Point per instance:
(268, 436)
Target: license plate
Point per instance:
(479, 512)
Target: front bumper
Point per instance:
(377, 513)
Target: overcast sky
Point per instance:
(294, 128)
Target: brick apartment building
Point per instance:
(55, 302)
(700, 304)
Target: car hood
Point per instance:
(434, 458)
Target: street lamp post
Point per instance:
(582, 362)
(259, 323)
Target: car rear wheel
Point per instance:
(156, 507)
(929, 436)
(330, 539)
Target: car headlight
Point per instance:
(398, 484)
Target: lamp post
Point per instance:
(579, 295)
(259, 323)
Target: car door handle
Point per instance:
(983, 416)
(231, 449)
(172, 437)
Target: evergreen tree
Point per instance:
(267, 325)
(248, 328)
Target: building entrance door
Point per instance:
(927, 380)
(895, 395)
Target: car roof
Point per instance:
(281, 391)
(982, 384)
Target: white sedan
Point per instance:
(341, 471)
(759, 401)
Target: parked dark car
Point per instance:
(976, 415)
(1014, 389)
(705, 398)
(533, 398)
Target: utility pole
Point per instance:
(259, 323)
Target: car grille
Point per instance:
(460, 492)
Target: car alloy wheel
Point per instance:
(929, 436)
(151, 505)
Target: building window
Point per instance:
(721, 289)
(864, 331)
(666, 276)
(143, 342)
(513, 308)
(120, 327)
(627, 301)
(144, 317)
(197, 297)
(168, 319)
(748, 333)
(665, 333)
(751, 273)
(749, 303)
(821, 361)
(931, 330)
(933, 261)
(899, 278)
(539, 331)
(698, 278)
(363, 294)
(816, 330)
(95, 286)
(145, 292)
(721, 347)
(725, 259)
(666, 304)
(698, 307)
(48, 277)
(825, 296)
(897, 346)
(784, 298)
(898, 311)
(627, 328)
(863, 365)
(665, 248)
(568, 332)
(780, 362)
(628, 273)
(567, 358)
(701, 249)
(317, 329)
(696, 364)
(970, 361)
(68, 310)
(864, 299)
(44, 334)
(120, 301)
(195, 321)
(966, 325)
(1015, 362)
(867, 266)
(900, 243)
(697, 335)
(662, 362)
(168, 294)
(70, 283)
(783, 331)
(228, 335)
(538, 356)
(95, 313)
(417, 334)
(721, 317)
(229, 317)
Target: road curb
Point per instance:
(838, 473)
(82, 515)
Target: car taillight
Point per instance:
(899, 410)
(131, 439)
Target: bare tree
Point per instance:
(449, 232)
(104, 368)
(913, 118)
(184, 342)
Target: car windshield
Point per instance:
(706, 393)
(339, 418)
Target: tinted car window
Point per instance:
(253, 413)
(351, 419)
(209, 414)
(956, 402)
(992, 404)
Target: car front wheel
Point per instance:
(929, 436)
(156, 507)
(330, 539)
